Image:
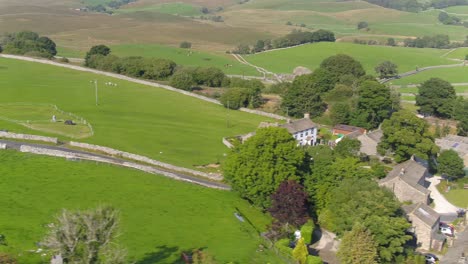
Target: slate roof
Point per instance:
(376, 135)
(411, 172)
(423, 212)
(299, 125)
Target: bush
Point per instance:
(182, 79)
(212, 77)
(64, 60)
(283, 247)
(362, 24)
(185, 45)
(307, 230)
(314, 260)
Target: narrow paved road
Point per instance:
(16, 145)
(454, 253)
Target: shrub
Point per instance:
(64, 60)
(182, 79)
(283, 247)
(185, 45)
(314, 260)
(362, 24)
(307, 230)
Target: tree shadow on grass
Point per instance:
(160, 255)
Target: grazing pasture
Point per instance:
(160, 217)
(162, 124)
(452, 75)
(311, 56)
(186, 57)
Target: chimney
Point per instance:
(307, 115)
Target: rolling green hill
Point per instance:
(310, 56)
(155, 122)
(160, 217)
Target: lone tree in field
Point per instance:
(436, 97)
(185, 45)
(386, 69)
(86, 236)
(256, 168)
(450, 164)
(362, 25)
(289, 204)
(404, 135)
(358, 247)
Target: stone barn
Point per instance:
(408, 182)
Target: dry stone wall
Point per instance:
(4, 134)
(127, 155)
(80, 156)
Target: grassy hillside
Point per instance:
(311, 56)
(162, 124)
(160, 217)
(453, 75)
(187, 57)
(180, 9)
(459, 53)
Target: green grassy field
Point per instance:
(459, 53)
(458, 89)
(312, 55)
(187, 57)
(452, 75)
(150, 121)
(180, 9)
(39, 117)
(459, 10)
(160, 217)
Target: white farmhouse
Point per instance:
(303, 130)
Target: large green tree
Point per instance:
(373, 105)
(436, 97)
(360, 200)
(450, 164)
(256, 168)
(340, 65)
(348, 147)
(358, 247)
(386, 69)
(96, 50)
(303, 97)
(404, 135)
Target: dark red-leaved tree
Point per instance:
(289, 203)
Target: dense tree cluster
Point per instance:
(332, 185)
(296, 37)
(460, 113)
(107, 7)
(100, 57)
(256, 168)
(28, 43)
(447, 19)
(436, 97)
(415, 6)
(438, 42)
(404, 135)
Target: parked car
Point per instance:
(446, 231)
(431, 258)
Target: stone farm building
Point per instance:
(408, 182)
(425, 226)
(303, 130)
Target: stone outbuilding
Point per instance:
(408, 182)
(425, 226)
(369, 142)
